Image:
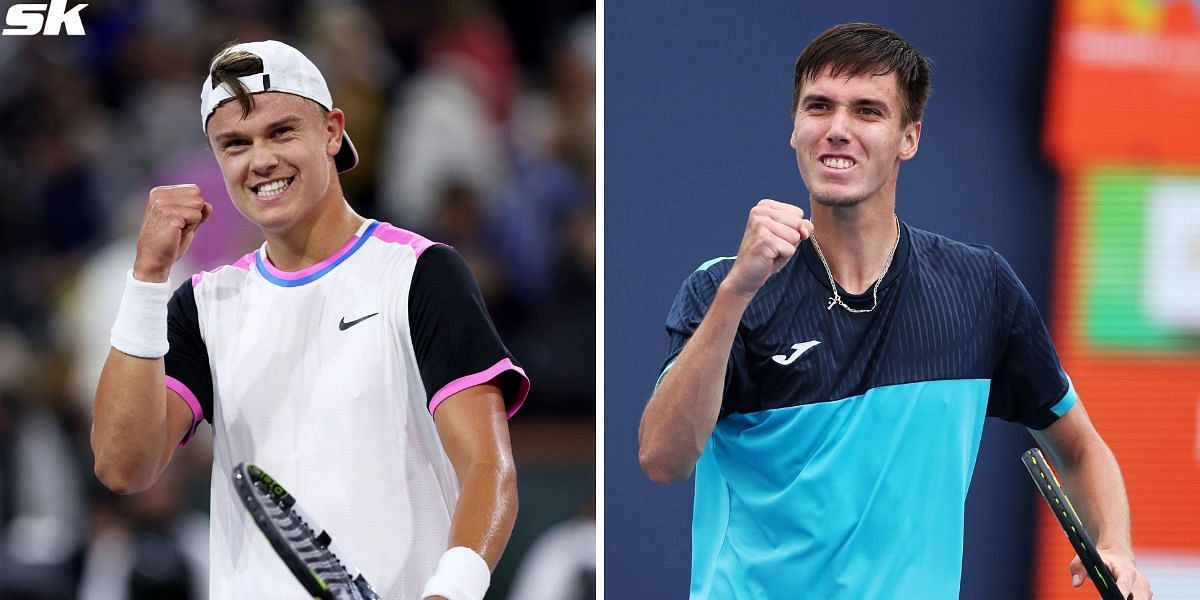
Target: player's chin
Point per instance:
(837, 200)
(275, 223)
(270, 218)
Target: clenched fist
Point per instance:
(173, 213)
(773, 232)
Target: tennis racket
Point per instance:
(305, 547)
(1060, 505)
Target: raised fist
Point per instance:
(173, 213)
(773, 232)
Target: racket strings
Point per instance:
(304, 541)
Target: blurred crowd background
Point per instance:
(475, 121)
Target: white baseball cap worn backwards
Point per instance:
(287, 70)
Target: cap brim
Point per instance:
(347, 156)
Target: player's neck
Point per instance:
(856, 241)
(316, 238)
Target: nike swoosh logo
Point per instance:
(800, 348)
(343, 325)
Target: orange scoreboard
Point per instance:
(1122, 127)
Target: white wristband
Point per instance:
(461, 575)
(141, 327)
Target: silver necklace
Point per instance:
(837, 298)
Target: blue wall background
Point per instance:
(697, 123)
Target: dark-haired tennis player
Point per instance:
(828, 385)
(350, 358)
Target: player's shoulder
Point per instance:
(714, 268)
(700, 285)
(398, 238)
(235, 271)
(941, 251)
(709, 274)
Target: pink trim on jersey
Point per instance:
(305, 272)
(180, 388)
(386, 232)
(483, 377)
(242, 263)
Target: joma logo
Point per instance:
(27, 19)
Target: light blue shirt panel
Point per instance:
(859, 498)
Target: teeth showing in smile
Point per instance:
(837, 163)
(272, 188)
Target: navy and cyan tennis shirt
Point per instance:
(840, 463)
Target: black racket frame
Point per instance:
(1046, 483)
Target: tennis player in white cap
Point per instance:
(351, 359)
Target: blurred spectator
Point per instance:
(561, 564)
(441, 134)
(42, 499)
(148, 546)
(346, 35)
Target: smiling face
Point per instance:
(849, 138)
(278, 161)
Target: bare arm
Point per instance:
(1092, 479)
(681, 414)
(474, 432)
(683, 410)
(136, 421)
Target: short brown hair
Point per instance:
(854, 49)
(226, 69)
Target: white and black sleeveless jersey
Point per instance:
(328, 378)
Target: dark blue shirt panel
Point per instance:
(688, 310)
(946, 310)
(1029, 376)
